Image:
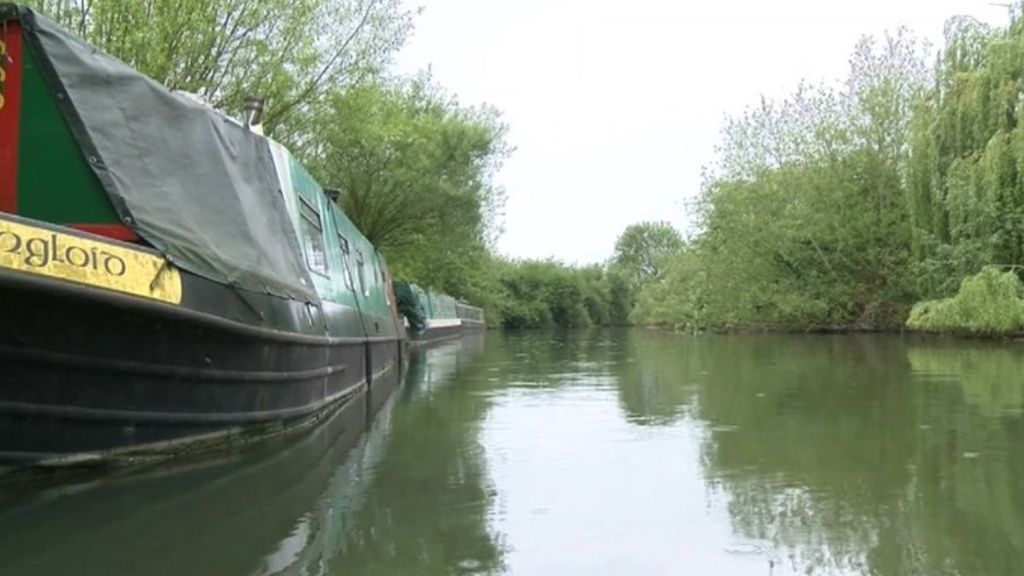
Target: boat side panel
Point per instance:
(339, 300)
(354, 278)
(103, 355)
(115, 371)
(71, 195)
(437, 333)
(384, 360)
(378, 321)
(391, 297)
(329, 279)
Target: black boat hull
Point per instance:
(90, 375)
(437, 334)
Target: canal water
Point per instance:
(605, 452)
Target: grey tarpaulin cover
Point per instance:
(196, 185)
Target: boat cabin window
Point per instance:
(313, 237)
(361, 271)
(383, 282)
(346, 271)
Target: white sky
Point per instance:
(615, 106)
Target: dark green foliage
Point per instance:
(544, 293)
(641, 249)
(414, 167)
(415, 173)
(620, 298)
(966, 188)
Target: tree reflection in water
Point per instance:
(850, 454)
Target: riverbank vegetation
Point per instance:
(841, 207)
(989, 303)
(545, 293)
(542, 293)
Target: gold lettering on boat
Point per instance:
(85, 261)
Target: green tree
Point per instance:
(620, 297)
(415, 170)
(677, 299)
(988, 303)
(803, 217)
(412, 164)
(641, 248)
(288, 51)
(540, 293)
(546, 293)
(966, 192)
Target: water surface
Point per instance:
(605, 452)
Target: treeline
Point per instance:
(548, 293)
(841, 207)
(534, 294)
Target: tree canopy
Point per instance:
(290, 52)
(641, 249)
(415, 174)
(804, 220)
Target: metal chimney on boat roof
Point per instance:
(254, 112)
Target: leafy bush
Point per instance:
(988, 303)
(541, 293)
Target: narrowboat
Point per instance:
(433, 317)
(169, 277)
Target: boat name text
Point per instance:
(91, 261)
(39, 252)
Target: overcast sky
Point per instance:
(613, 107)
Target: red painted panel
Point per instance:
(10, 107)
(116, 231)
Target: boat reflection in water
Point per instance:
(435, 366)
(279, 507)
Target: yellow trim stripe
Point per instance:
(84, 261)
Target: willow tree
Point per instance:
(967, 171)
